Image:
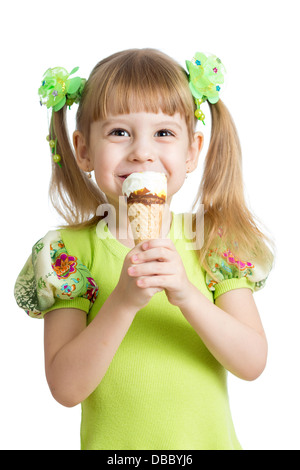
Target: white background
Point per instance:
(258, 41)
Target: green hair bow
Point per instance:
(58, 89)
(206, 74)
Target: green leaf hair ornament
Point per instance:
(58, 90)
(206, 74)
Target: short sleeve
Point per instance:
(53, 278)
(233, 273)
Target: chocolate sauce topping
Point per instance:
(145, 199)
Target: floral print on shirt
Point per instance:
(51, 273)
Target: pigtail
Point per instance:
(72, 193)
(228, 223)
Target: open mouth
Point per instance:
(123, 177)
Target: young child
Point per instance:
(143, 336)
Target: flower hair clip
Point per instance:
(58, 89)
(206, 74)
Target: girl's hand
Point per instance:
(157, 266)
(127, 290)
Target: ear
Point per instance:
(194, 152)
(81, 151)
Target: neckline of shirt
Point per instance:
(115, 246)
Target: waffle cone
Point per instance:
(145, 220)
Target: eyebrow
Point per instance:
(111, 121)
(169, 124)
(161, 124)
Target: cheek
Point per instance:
(102, 172)
(102, 162)
(176, 179)
(103, 177)
(176, 166)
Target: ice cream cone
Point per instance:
(145, 220)
(146, 196)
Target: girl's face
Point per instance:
(127, 143)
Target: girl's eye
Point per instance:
(119, 133)
(164, 133)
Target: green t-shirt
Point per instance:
(163, 389)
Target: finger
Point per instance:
(160, 282)
(159, 253)
(134, 251)
(165, 242)
(152, 268)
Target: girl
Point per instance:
(143, 336)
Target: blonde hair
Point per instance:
(148, 80)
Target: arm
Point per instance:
(231, 329)
(77, 357)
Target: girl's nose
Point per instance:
(142, 150)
